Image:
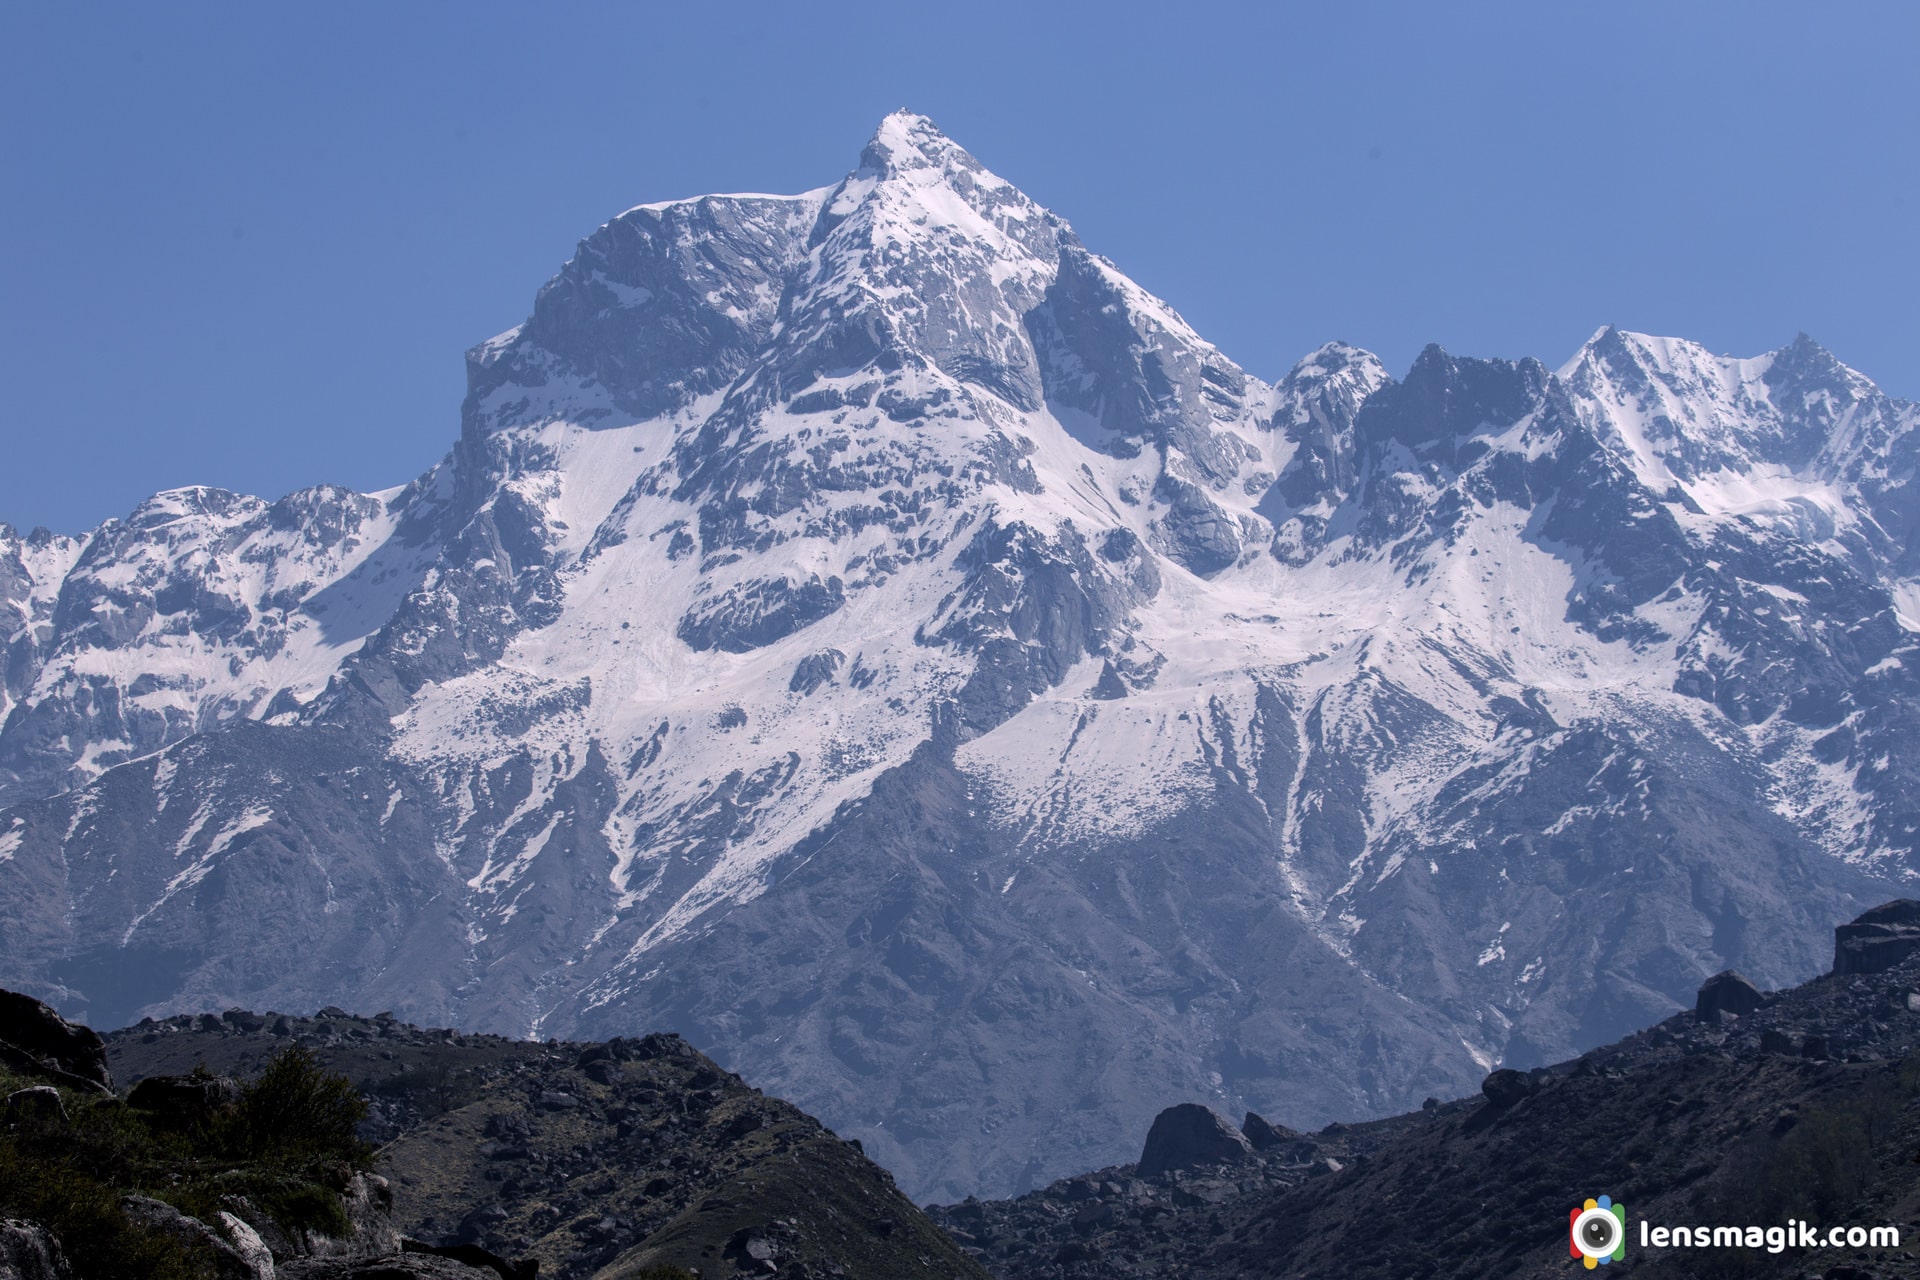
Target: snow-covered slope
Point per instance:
(865, 631)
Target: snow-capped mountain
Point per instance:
(866, 632)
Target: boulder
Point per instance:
(1189, 1134)
(1877, 940)
(475, 1256)
(183, 1103)
(271, 1234)
(28, 1251)
(1278, 1139)
(248, 1244)
(229, 1263)
(1262, 1134)
(1506, 1086)
(368, 1203)
(1728, 991)
(41, 1102)
(1094, 1217)
(34, 1038)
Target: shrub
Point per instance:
(84, 1214)
(284, 1146)
(298, 1110)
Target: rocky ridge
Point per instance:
(589, 1159)
(1807, 1105)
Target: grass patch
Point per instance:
(288, 1146)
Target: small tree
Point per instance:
(297, 1108)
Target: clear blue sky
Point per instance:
(246, 245)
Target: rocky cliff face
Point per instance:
(867, 633)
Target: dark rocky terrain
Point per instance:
(620, 1160)
(1806, 1106)
(594, 1159)
(608, 1160)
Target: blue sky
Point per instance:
(247, 245)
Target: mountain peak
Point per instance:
(906, 142)
(1334, 357)
(1683, 412)
(1804, 359)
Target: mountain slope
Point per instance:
(1801, 1106)
(867, 633)
(606, 1160)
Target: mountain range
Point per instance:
(866, 633)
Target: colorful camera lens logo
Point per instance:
(1597, 1231)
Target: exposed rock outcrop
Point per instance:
(1189, 1134)
(1877, 940)
(28, 1251)
(229, 1263)
(1269, 1137)
(41, 1102)
(1728, 991)
(35, 1039)
(1505, 1087)
(367, 1200)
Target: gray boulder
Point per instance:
(229, 1263)
(368, 1202)
(277, 1242)
(1725, 992)
(1189, 1134)
(1277, 1138)
(28, 1251)
(1263, 1134)
(41, 1102)
(35, 1039)
(1879, 939)
(1506, 1086)
(248, 1244)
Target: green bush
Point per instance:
(287, 1145)
(294, 1200)
(298, 1110)
(83, 1212)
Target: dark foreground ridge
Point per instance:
(642, 1160)
(496, 1160)
(1752, 1108)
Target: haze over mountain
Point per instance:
(865, 632)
